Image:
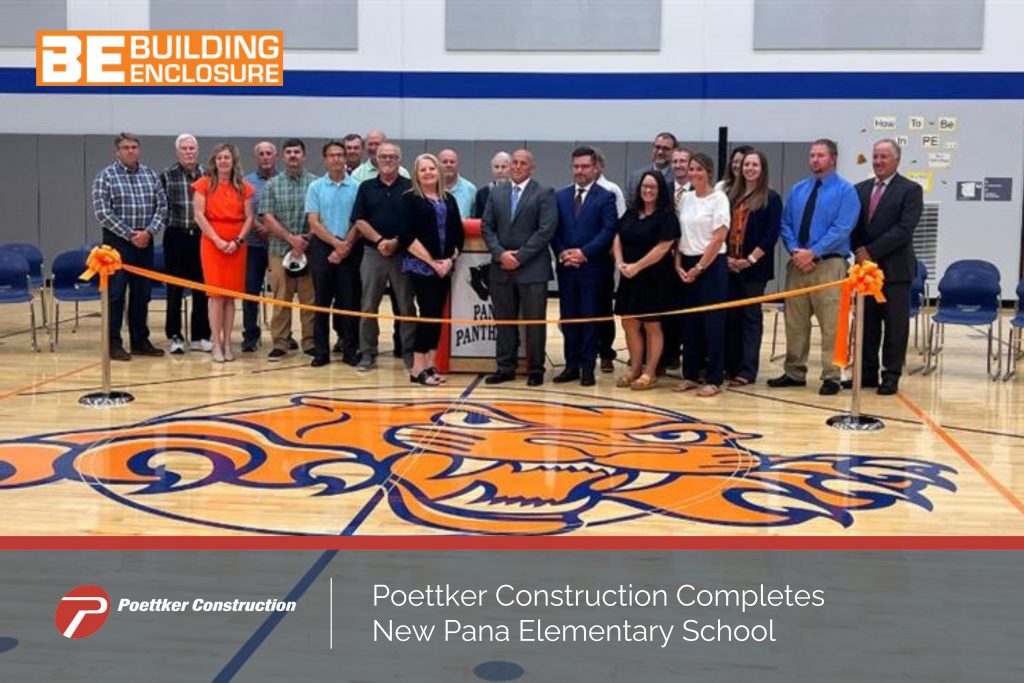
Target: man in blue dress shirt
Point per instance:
(820, 213)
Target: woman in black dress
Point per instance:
(643, 239)
(433, 236)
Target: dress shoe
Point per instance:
(829, 387)
(249, 346)
(865, 384)
(566, 376)
(310, 352)
(350, 359)
(118, 353)
(499, 378)
(786, 381)
(535, 379)
(320, 361)
(147, 349)
(607, 365)
(587, 378)
(292, 344)
(888, 388)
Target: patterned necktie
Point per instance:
(805, 222)
(876, 196)
(578, 204)
(515, 198)
(679, 195)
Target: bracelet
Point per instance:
(751, 260)
(379, 240)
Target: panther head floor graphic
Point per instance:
(474, 467)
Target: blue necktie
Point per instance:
(515, 199)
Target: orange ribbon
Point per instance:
(104, 260)
(864, 278)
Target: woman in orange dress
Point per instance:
(223, 210)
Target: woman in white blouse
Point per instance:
(704, 217)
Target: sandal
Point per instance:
(709, 390)
(685, 385)
(627, 379)
(427, 379)
(432, 371)
(643, 382)
(739, 382)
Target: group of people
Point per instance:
(675, 239)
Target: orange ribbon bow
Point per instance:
(104, 260)
(864, 278)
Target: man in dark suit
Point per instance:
(582, 243)
(518, 223)
(890, 209)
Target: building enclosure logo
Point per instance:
(159, 58)
(82, 611)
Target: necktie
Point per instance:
(578, 204)
(876, 196)
(805, 222)
(515, 199)
(679, 195)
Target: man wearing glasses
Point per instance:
(661, 160)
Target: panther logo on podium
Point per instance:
(521, 467)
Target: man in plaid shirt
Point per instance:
(130, 204)
(181, 246)
(283, 206)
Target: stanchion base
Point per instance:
(106, 399)
(860, 423)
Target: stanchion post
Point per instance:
(105, 398)
(853, 420)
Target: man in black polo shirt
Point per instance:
(378, 216)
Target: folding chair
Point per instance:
(1014, 350)
(35, 259)
(15, 286)
(65, 286)
(969, 294)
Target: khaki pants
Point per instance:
(285, 288)
(824, 306)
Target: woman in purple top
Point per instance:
(432, 235)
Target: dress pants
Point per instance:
(823, 305)
(285, 288)
(181, 259)
(337, 286)
(744, 328)
(578, 294)
(375, 272)
(704, 333)
(255, 275)
(894, 317)
(514, 301)
(605, 306)
(135, 288)
(431, 295)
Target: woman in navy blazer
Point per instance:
(756, 222)
(432, 234)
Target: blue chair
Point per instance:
(918, 301)
(35, 259)
(969, 294)
(1014, 352)
(66, 286)
(15, 286)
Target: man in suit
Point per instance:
(518, 223)
(582, 243)
(661, 160)
(890, 209)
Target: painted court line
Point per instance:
(15, 392)
(962, 452)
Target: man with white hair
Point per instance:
(369, 169)
(181, 247)
(500, 163)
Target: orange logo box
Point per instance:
(159, 58)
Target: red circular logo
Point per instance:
(82, 611)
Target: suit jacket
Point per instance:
(592, 231)
(419, 222)
(480, 203)
(889, 235)
(528, 232)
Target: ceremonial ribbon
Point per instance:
(864, 278)
(104, 260)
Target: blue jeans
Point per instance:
(255, 272)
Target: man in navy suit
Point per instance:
(582, 244)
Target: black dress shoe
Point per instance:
(320, 361)
(535, 379)
(310, 352)
(147, 349)
(829, 387)
(587, 378)
(499, 378)
(249, 347)
(351, 359)
(786, 381)
(567, 376)
(118, 353)
(865, 384)
(607, 365)
(888, 388)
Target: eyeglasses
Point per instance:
(663, 148)
(388, 157)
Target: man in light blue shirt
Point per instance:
(334, 254)
(819, 216)
(454, 184)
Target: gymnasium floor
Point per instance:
(259, 447)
